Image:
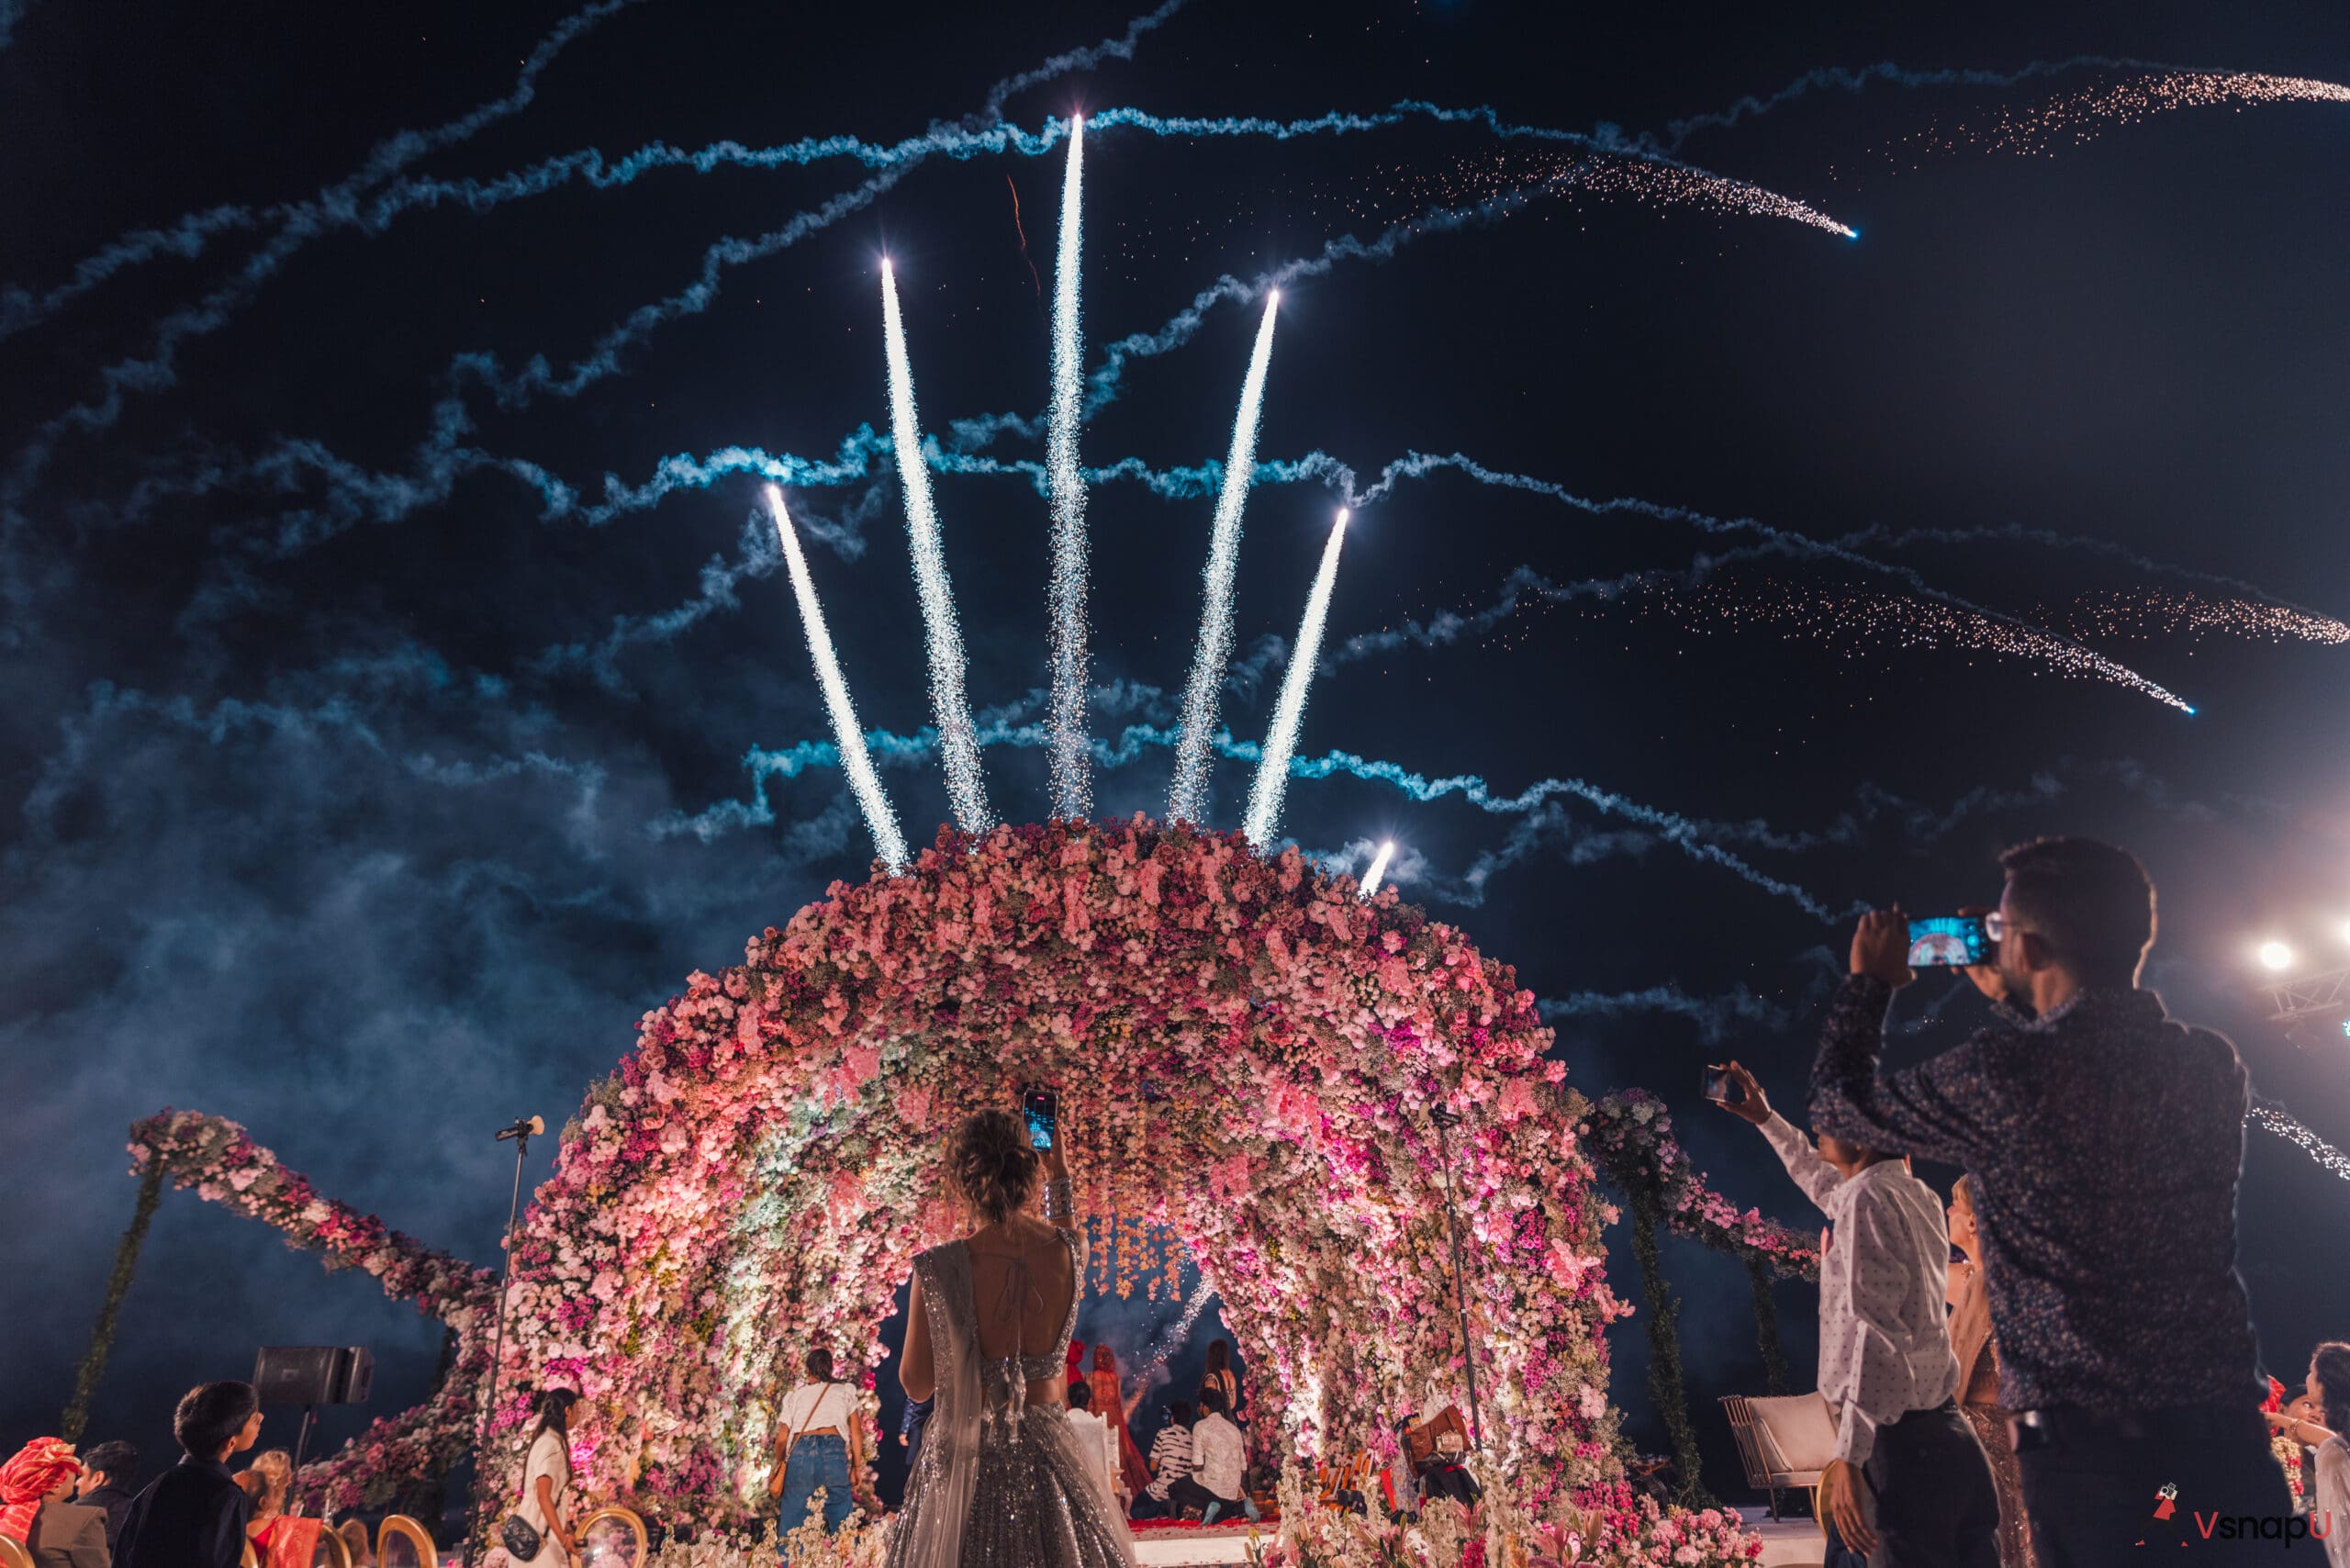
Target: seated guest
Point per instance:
(1170, 1460)
(1219, 1461)
(1435, 1448)
(273, 1474)
(109, 1477)
(193, 1516)
(1096, 1440)
(2106, 1142)
(29, 1477)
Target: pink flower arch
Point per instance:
(1247, 1053)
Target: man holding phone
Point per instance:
(1908, 1484)
(2105, 1140)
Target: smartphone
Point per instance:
(1716, 1084)
(1946, 940)
(1042, 1108)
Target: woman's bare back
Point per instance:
(1024, 1281)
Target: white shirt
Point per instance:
(550, 1458)
(1171, 1456)
(812, 1407)
(1884, 1323)
(1095, 1438)
(2331, 1495)
(1219, 1459)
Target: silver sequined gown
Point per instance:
(1038, 1499)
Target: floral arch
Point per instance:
(1248, 1052)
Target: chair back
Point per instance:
(1786, 1440)
(13, 1553)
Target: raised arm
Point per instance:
(916, 1374)
(1936, 1109)
(1814, 1175)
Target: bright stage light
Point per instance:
(854, 760)
(2276, 956)
(2345, 931)
(1272, 770)
(1070, 758)
(958, 744)
(1187, 799)
(1378, 867)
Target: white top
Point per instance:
(1095, 1438)
(549, 1457)
(2331, 1495)
(1219, 1458)
(1884, 1323)
(812, 1407)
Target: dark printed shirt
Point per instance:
(192, 1516)
(2105, 1140)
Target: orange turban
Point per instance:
(31, 1475)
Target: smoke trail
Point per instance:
(1073, 785)
(1378, 868)
(2272, 1116)
(965, 787)
(879, 818)
(1187, 799)
(1289, 712)
(11, 12)
(2068, 657)
(1714, 1015)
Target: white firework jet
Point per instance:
(1272, 770)
(958, 746)
(887, 842)
(1070, 759)
(1378, 868)
(1187, 799)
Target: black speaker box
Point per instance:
(295, 1374)
(354, 1374)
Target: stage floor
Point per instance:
(1791, 1543)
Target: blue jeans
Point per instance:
(816, 1461)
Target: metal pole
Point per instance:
(497, 1353)
(1445, 1116)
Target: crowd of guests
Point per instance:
(2060, 1366)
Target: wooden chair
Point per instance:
(13, 1553)
(401, 1542)
(1783, 1441)
(611, 1538)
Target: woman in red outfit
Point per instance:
(1111, 1401)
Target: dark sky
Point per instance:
(350, 781)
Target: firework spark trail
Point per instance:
(959, 753)
(848, 740)
(1289, 712)
(1071, 762)
(1371, 878)
(1180, 1331)
(2272, 1116)
(1714, 1015)
(1187, 797)
(2082, 117)
(2125, 613)
(1854, 80)
(1974, 538)
(2067, 656)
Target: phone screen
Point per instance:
(1042, 1110)
(1948, 939)
(1716, 1083)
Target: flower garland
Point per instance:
(221, 1161)
(2286, 1452)
(1630, 1139)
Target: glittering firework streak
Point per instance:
(958, 742)
(1070, 759)
(1272, 770)
(854, 760)
(1187, 800)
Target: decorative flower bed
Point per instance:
(1631, 1137)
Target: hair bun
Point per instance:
(991, 1164)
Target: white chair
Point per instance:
(1783, 1441)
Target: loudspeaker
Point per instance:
(354, 1374)
(295, 1374)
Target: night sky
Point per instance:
(371, 762)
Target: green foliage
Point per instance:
(125, 1264)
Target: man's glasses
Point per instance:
(1998, 927)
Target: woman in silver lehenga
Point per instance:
(1001, 1481)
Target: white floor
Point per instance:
(1790, 1543)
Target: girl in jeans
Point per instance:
(817, 1442)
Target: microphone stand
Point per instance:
(1446, 1117)
(521, 1132)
